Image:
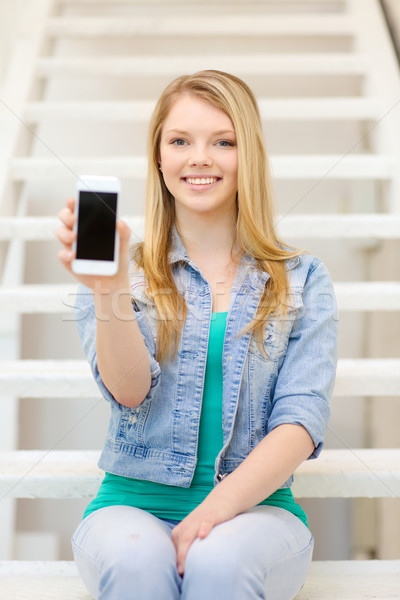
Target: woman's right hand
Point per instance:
(67, 236)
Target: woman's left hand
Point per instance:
(197, 524)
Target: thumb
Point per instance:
(124, 232)
(204, 529)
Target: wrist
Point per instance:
(113, 300)
(107, 286)
(220, 501)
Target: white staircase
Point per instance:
(82, 84)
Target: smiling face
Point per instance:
(198, 157)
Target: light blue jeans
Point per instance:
(125, 553)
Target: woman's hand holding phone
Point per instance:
(67, 236)
(91, 250)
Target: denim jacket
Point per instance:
(157, 440)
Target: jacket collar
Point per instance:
(291, 263)
(177, 252)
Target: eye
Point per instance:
(225, 143)
(178, 142)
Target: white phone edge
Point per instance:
(81, 266)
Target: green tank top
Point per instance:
(174, 502)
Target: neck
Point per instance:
(207, 235)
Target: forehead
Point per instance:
(191, 112)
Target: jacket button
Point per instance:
(220, 476)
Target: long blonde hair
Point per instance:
(255, 233)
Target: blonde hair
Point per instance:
(255, 234)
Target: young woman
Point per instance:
(215, 345)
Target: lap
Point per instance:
(265, 545)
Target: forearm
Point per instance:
(265, 469)
(122, 356)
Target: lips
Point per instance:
(201, 180)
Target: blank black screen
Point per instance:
(96, 225)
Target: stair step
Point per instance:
(175, 65)
(284, 167)
(372, 473)
(41, 580)
(352, 580)
(326, 580)
(295, 5)
(44, 298)
(310, 226)
(368, 295)
(134, 111)
(28, 228)
(350, 473)
(221, 25)
(49, 474)
(60, 298)
(72, 378)
(286, 109)
(368, 377)
(43, 228)
(343, 226)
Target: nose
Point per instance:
(200, 156)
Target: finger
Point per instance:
(183, 548)
(66, 257)
(71, 202)
(65, 236)
(67, 217)
(205, 529)
(124, 232)
(180, 563)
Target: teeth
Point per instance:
(201, 180)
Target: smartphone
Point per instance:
(97, 244)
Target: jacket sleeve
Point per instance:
(307, 373)
(85, 317)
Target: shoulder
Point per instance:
(305, 267)
(310, 284)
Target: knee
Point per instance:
(140, 567)
(139, 554)
(212, 557)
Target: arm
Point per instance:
(119, 357)
(122, 356)
(264, 470)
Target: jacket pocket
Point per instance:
(277, 330)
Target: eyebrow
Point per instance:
(219, 132)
